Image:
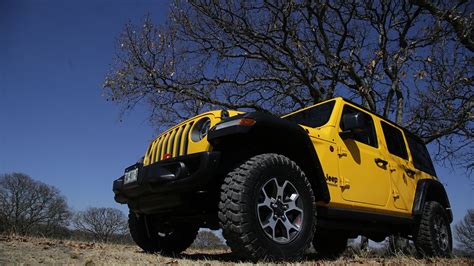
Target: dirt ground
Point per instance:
(27, 250)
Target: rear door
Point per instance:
(402, 174)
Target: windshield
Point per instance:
(313, 117)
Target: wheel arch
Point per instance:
(273, 135)
(430, 190)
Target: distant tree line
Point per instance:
(464, 232)
(30, 207)
(208, 240)
(33, 208)
(101, 223)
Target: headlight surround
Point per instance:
(200, 129)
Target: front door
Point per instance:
(363, 170)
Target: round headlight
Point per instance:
(224, 114)
(200, 129)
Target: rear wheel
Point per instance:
(267, 209)
(154, 237)
(433, 235)
(329, 244)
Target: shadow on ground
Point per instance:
(227, 256)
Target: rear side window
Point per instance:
(421, 157)
(394, 141)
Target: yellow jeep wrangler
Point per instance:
(274, 185)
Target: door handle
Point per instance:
(381, 162)
(410, 172)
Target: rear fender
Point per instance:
(430, 190)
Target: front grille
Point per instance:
(174, 143)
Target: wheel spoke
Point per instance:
(281, 190)
(267, 200)
(289, 226)
(292, 204)
(271, 223)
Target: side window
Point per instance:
(367, 135)
(314, 116)
(394, 141)
(421, 157)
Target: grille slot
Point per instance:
(152, 151)
(186, 138)
(148, 158)
(159, 146)
(178, 140)
(173, 135)
(165, 147)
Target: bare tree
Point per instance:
(461, 20)
(278, 56)
(207, 239)
(30, 207)
(102, 223)
(441, 111)
(465, 232)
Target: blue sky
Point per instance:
(54, 123)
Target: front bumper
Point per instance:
(168, 178)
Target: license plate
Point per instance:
(130, 176)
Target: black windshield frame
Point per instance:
(313, 117)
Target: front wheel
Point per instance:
(153, 236)
(267, 209)
(433, 235)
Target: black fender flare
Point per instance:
(430, 190)
(271, 129)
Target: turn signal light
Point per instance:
(246, 122)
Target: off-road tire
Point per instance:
(329, 244)
(427, 236)
(171, 243)
(238, 212)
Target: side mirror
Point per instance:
(352, 123)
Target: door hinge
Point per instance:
(345, 182)
(395, 194)
(341, 151)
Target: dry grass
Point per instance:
(28, 250)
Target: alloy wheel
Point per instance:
(280, 210)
